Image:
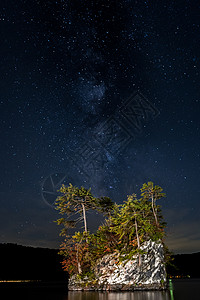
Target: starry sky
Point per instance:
(103, 94)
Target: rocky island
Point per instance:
(126, 253)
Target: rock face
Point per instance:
(128, 275)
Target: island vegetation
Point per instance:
(125, 228)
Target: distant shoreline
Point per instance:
(35, 284)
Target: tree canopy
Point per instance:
(125, 228)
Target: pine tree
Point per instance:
(72, 201)
(152, 192)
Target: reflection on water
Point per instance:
(171, 289)
(180, 289)
(140, 295)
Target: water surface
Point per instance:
(179, 289)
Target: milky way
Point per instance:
(104, 94)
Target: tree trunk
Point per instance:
(78, 263)
(138, 240)
(155, 216)
(84, 217)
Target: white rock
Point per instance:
(151, 272)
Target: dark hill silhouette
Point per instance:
(29, 263)
(185, 264)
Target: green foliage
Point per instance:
(152, 192)
(72, 201)
(104, 205)
(126, 227)
(149, 189)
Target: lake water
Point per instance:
(179, 289)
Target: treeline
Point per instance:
(29, 263)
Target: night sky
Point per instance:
(103, 94)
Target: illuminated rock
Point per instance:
(128, 275)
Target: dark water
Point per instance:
(179, 289)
